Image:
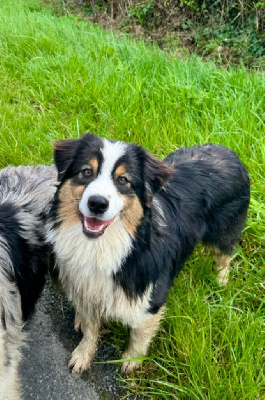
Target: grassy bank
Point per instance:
(60, 77)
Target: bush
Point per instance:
(224, 30)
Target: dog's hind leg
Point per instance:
(140, 339)
(221, 265)
(224, 233)
(11, 338)
(13, 387)
(83, 354)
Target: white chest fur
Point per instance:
(86, 268)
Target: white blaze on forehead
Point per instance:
(111, 151)
(103, 185)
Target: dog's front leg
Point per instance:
(140, 339)
(78, 326)
(83, 354)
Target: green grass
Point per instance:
(60, 77)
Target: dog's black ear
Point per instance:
(157, 173)
(64, 152)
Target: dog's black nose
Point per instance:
(98, 204)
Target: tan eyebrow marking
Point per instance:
(120, 170)
(94, 164)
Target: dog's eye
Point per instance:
(122, 180)
(87, 172)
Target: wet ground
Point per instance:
(51, 338)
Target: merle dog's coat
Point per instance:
(25, 200)
(123, 223)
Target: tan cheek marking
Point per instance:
(121, 170)
(78, 192)
(69, 197)
(132, 214)
(94, 164)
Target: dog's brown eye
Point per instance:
(87, 172)
(122, 180)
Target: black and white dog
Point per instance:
(123, 223)
(25, 200)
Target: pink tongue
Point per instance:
(94, 223)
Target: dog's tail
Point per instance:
(11, 335)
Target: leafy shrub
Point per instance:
(143, 12)
(225, 30)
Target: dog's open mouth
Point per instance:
(94, 227)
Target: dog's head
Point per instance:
(103, 181)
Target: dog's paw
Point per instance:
(222, 277)
(80, 361)
(129, 367)
(222, 281)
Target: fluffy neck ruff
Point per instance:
(103, 255)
